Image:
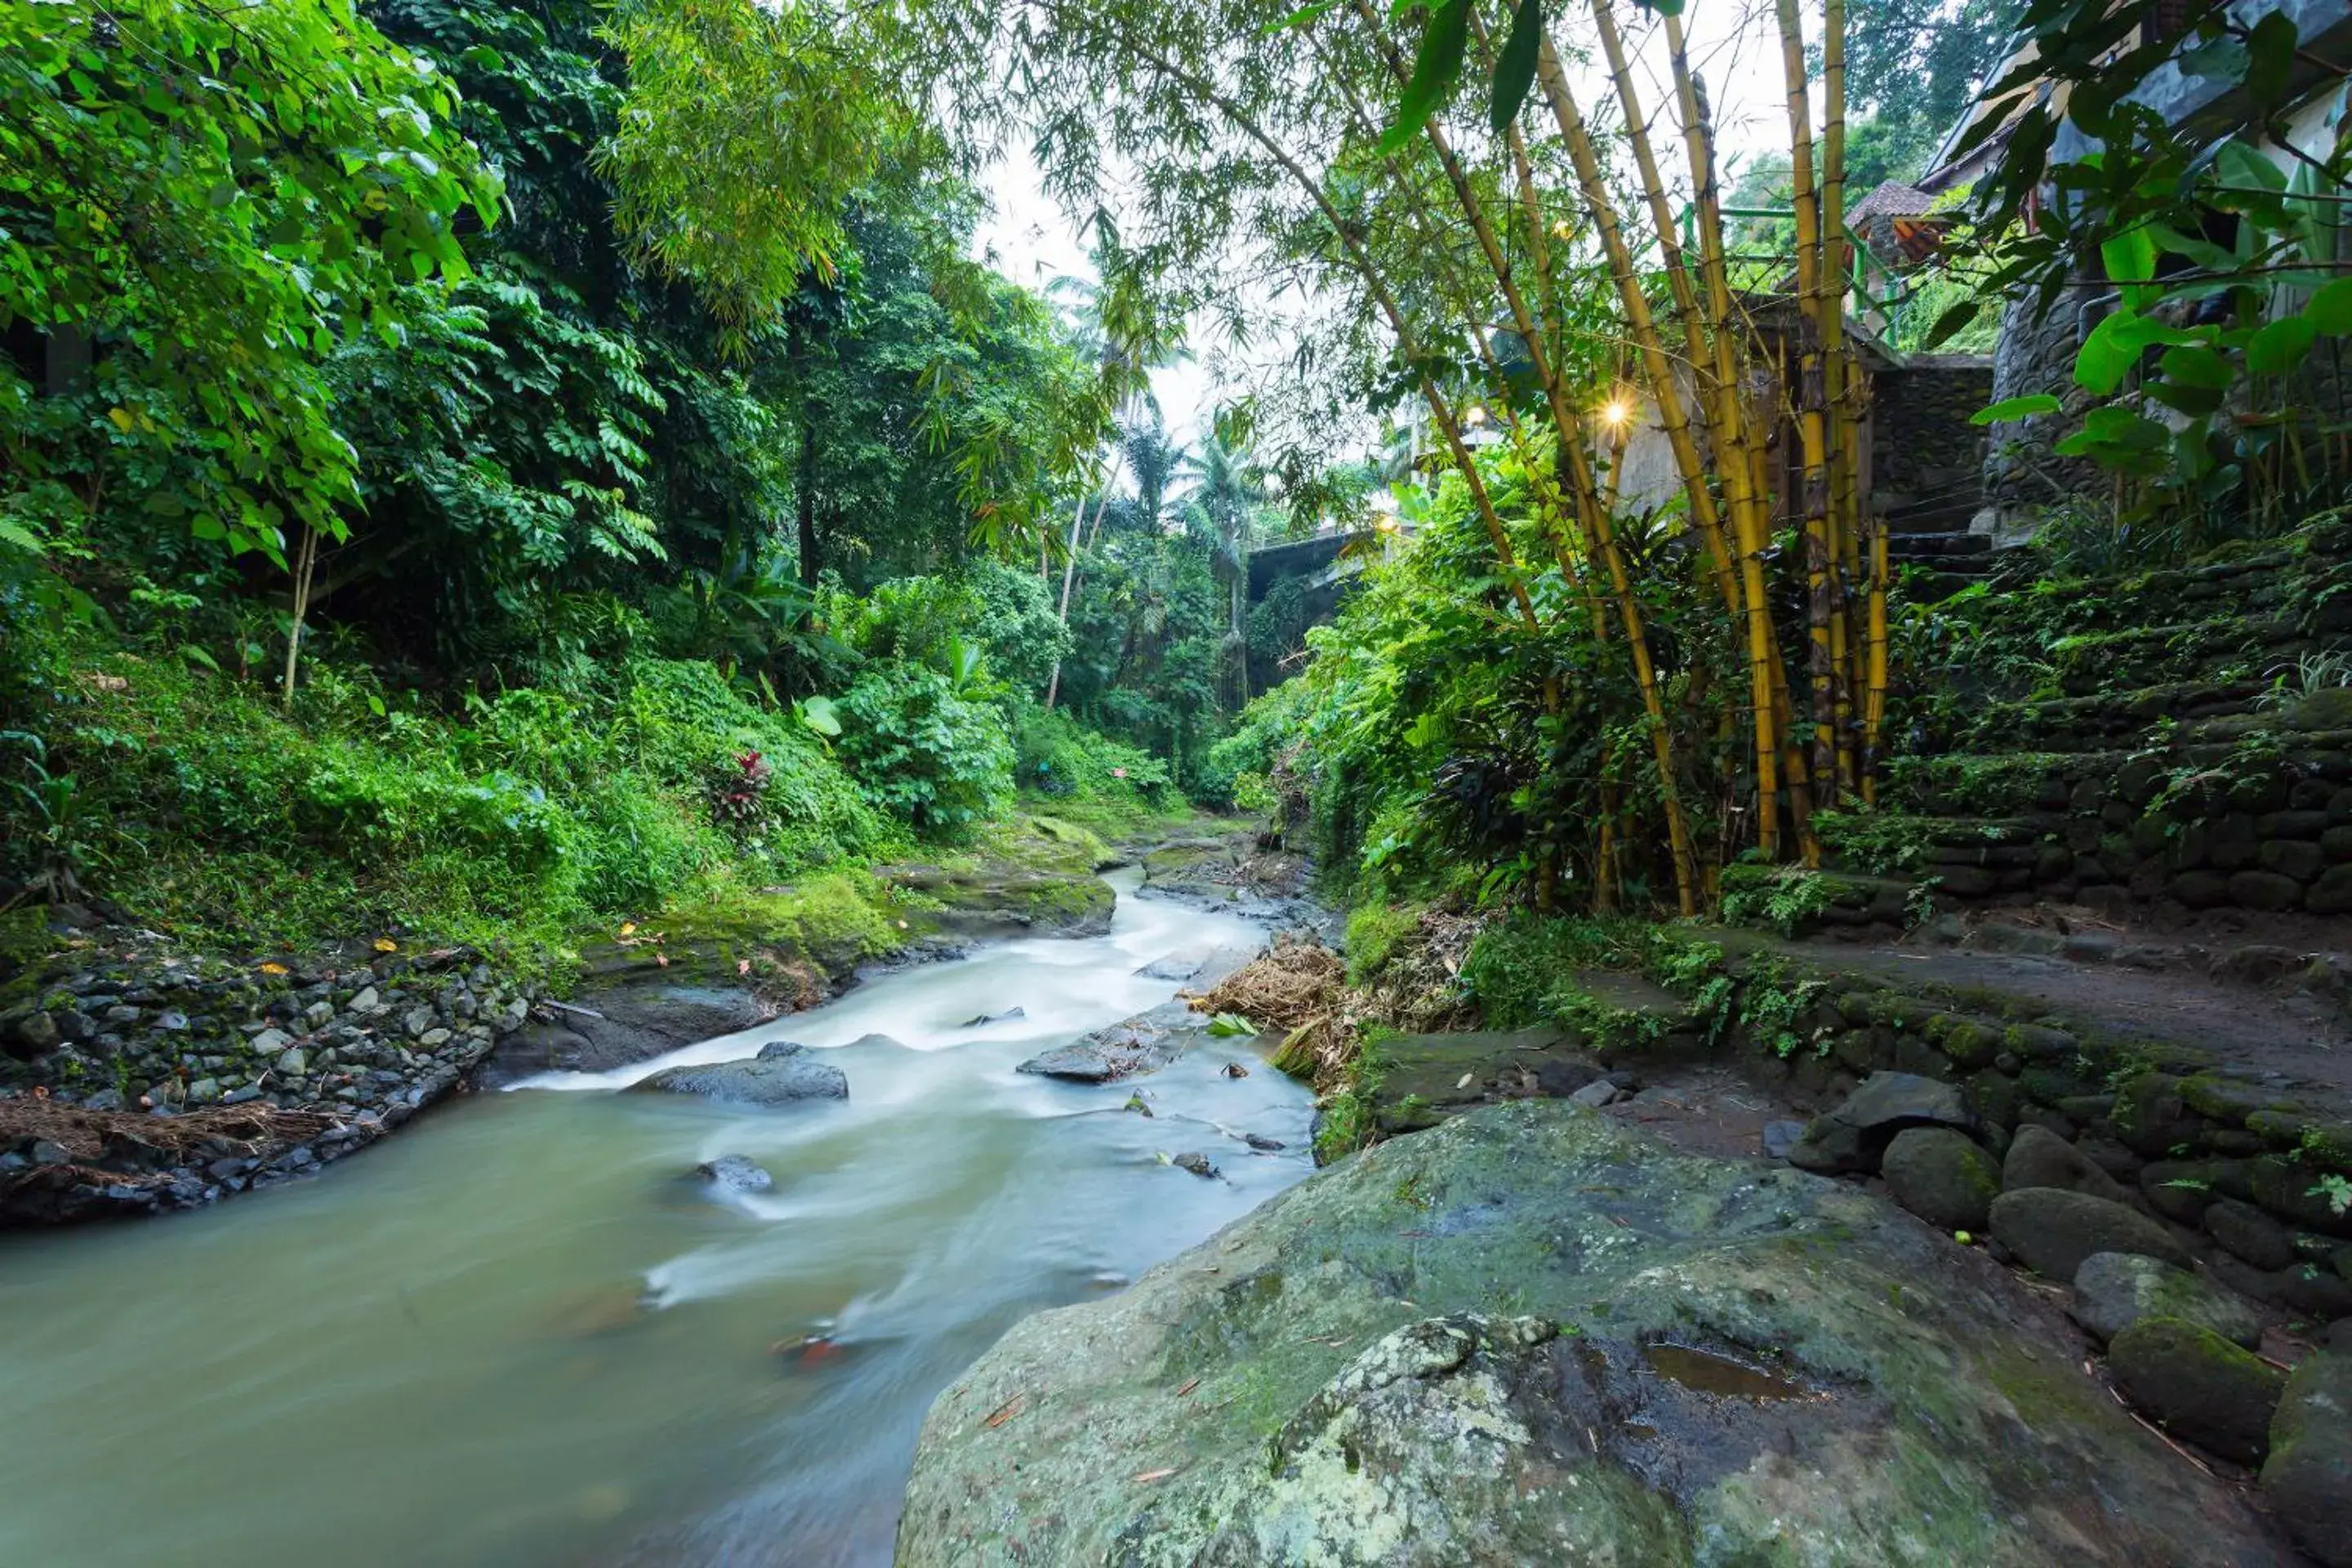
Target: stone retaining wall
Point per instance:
(2241, 1157)
(100, 1041)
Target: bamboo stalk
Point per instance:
(1579, 477)
(1811, 431)
(1672, 417)
(1844, 432)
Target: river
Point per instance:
(517, 1334)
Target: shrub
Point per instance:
(1057, 756)
(927, 756)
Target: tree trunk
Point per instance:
(805, 488)
(306, 562)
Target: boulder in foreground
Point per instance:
(1531, 1336)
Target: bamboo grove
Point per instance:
(1458, 225)
(1535, 264)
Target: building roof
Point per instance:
(1893, 198)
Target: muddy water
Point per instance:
(513, 1335)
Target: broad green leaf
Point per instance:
(2270, 50)
(2330, 309)
(2239, 165)
(2187, 396)
(2203, 252)
(1514, 68)
(2013, 408)
(1434, 71)
(820, 714)
(2223, 59)
(2130, 261)
(2114, 345)
(2281, 346)
(2195, 366)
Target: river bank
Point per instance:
(526, 1330)
(141, 1076)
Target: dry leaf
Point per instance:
(1155, 1475)
(1188, 1388)
(1005, 1412)
(385, 944)
(662, 959)
(273, 969)
(628, 928)
(1465, 1080)
(742, 966)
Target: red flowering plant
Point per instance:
(739, 792)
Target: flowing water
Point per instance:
(515, 1334)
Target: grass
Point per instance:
(527, 822)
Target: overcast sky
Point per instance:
(1734, 47)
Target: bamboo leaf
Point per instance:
(1514, 68)
(2013, 408)
(1434, 71)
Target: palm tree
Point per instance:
(1228, 486)
(1118, 329)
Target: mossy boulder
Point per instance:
(2113, 1290)
(1941, 1176)
(2052, 1230)
(1531, 1336)
(2199, 1385)
(2040, 1158)
(2308, 1477)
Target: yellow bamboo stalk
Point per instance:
(1580, 484)
(1811, 431)
(1672, 417)
(1845, 431)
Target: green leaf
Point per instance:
(820, 714)
(2195, 366)
(1300, 18)
(2239, 165)
(2187, 396)
(1225, 1026)
(2223, 59)
(2013, 409)
(2114, 345)
(2280, 346)
(1434, 71)
(1514, 68)
(1952, 319)
(2130, 261)
(2330, 309)
(2270, 50)
(2203, 252)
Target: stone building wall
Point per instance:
(1925, 455)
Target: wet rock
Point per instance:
(638, 1021)
(2038, 1157)
(782, 1073)
(1592, 1349)
(1597, 1093)
(1199, 1165)
(984, 1019)
(1854, 1135)
(1174, 965)
(1264, 1144)
(735, 1174)
(2308, 1477)
(2113, 1290)
(2249, 1235)
(1141, 1045)
(2052, 1230)
(1941, 1176)
(1779, 1137)
(2198, 1385)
